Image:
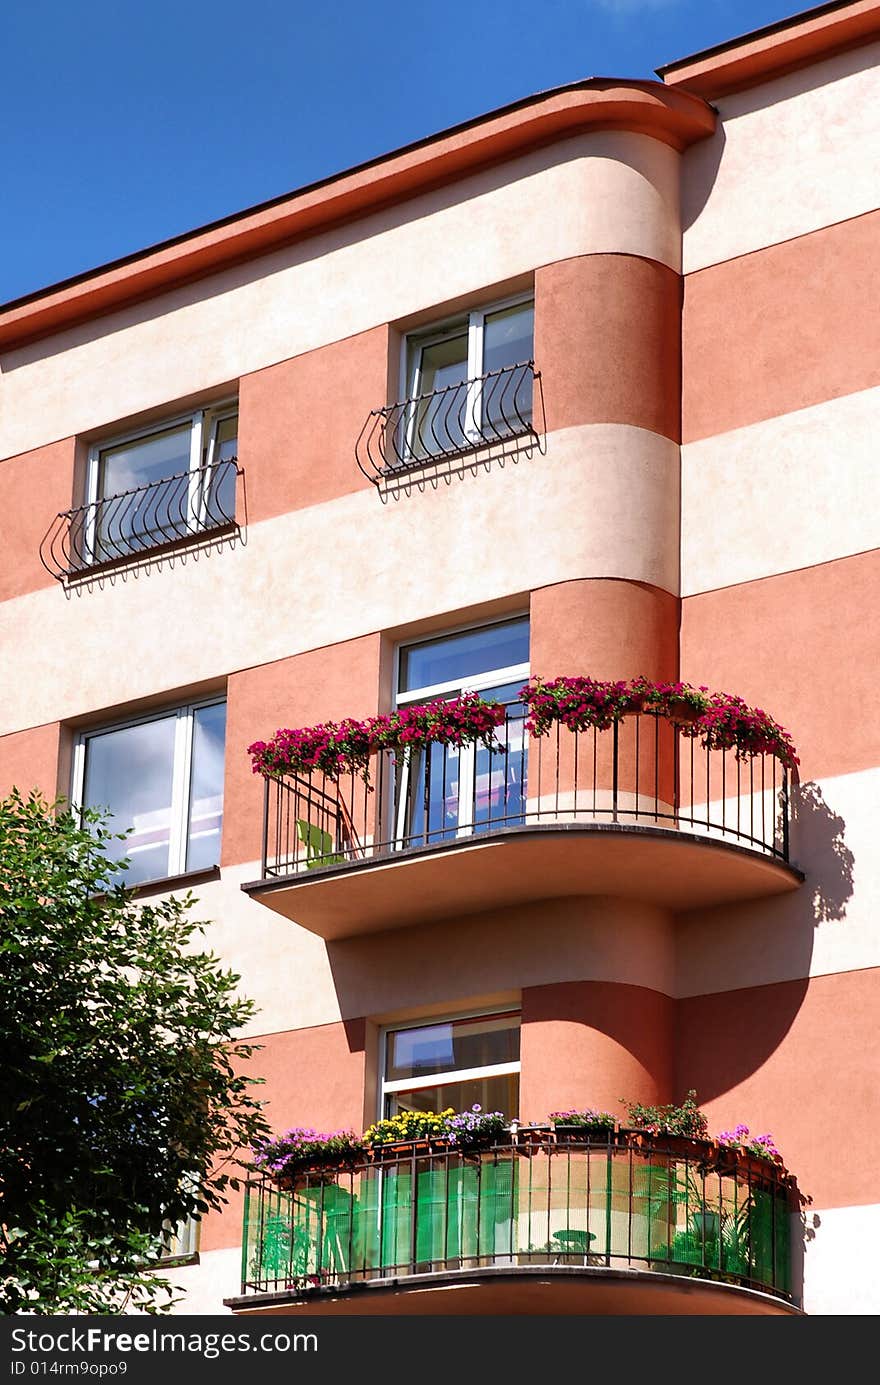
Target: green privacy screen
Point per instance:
(601, 1206)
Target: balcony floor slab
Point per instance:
(517, 865)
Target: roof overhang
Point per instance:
(676, 118)
(775, 49)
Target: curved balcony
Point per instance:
(159, 517)
(639, 811)
(540, 1221)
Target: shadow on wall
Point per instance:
(818, 845)
(701, 164)
(730, 1022)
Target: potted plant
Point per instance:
(583, 1125)
(406, 1131)
(745, 1147)
(685, 1122)
(678, 702)
(307, 1157)
(475, 1129)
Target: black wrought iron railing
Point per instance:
(170, 511)
(534, 1197)
(643, 770)
(494, 408)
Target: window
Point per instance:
(459, 791)
(469, 381)
(180, 1241)
(160, 484)
(162, 776)
(453, 1062)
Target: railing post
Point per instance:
(615, 768)
(264, 859)
(786, 803)
(245, 1237)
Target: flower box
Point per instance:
(584, 1134)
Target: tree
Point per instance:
(123, 1101)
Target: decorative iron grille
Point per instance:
(171, 511)
(492, 409)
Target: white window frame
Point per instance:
(411, 366)
(181, 780)
(203, 423)
(436, 1079)
(467, 754)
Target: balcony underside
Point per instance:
(530, 1290)
(674, 870)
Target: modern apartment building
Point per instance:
(589, 386)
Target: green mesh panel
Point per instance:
(433, 1214)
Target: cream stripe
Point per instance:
(789, 157)
(602, 501)
(787, 493)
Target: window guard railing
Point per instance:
(159, 515)
(494, 408)
(534, 1197)
(642, 771)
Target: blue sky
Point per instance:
(126, 123)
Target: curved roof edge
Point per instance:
(778, 48)
(676, 118)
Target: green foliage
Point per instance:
(123, 1100)
(599, 1121)
(686, 1120)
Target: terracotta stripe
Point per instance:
(782, 328)
(34, 488)
(803, 646)
(30, 760)
(607, 342)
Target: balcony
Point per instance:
(538, 1222)
(641, 810)
(477, 415)
(148, 520)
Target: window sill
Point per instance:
(164, 883)
(177, 1262)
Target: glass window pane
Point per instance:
(455, 658)
(130, 771)
(141, 521)
(145, 460)
(442, 796)
(226, 439)
(469, 1043)
(508, 341)
(491, 1093)
(219, 495)
(437, 423)
(206, 787)
(501, 776)
(508, 337)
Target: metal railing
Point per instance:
(459, 418)
(643, 771)
(170, 511)
(534, 1197)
